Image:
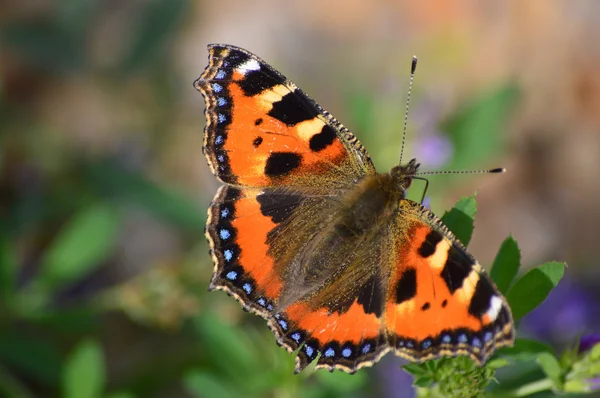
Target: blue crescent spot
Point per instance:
(366, 348)
(446, 339)
(220, 74)
(283, 324)
(217, 87)
(487, 337)
(309, 350)
(221, 118)
(231, 275)
(261, 301)
(247, 288)
(295, 337)
(329, 353)
(224, 213)
(346, 352)
(476, 342)
(219, 140)
(410, 344)
(228, 254)
(221, 101)
(224, 234)
(426, 344)
(270, 307)
(462, 338)
(221, 158)
(400, 343)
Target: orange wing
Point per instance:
(262, 130)
(440, 301)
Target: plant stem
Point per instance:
(532, 388)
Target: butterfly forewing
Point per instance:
(263, 131)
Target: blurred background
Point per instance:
(104, 188)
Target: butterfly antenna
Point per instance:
(496, 170)
(417, 176)
(413, 67)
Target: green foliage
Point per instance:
(506, 264)
(454, 378)
(533, 288)
(461, 218)
(153, 27)
(478, 128)
(246, 364)
(82, 245)
(83, 375)
(130, 188)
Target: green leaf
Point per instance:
(533, 288)
(416, 369)
(506, 264)
(551, 367)
(423, 381)
(82, 245)
(477, 130)
(460, 219)
(497, 363)
(83, 375)
(204, 384)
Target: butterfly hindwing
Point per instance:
(262, 130)
(332, 305)
(440, 301)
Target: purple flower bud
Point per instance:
(587, 342)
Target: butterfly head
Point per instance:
(403, 174)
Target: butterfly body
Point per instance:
(305, 233)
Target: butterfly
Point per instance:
(306, 234)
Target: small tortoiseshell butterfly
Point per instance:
(305, 233)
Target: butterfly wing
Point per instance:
(440, 301)
(262, 130)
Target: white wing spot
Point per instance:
(248, 66)
(495, 307)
